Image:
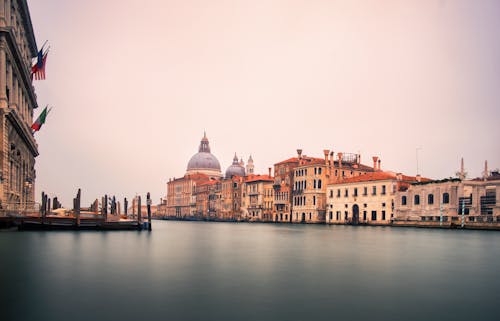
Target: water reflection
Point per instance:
(219, 271)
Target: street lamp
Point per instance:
(28, 184)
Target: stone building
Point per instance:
(202, 167)
(309, 189)
(18, 147)
(205, 195)
(254, 197)
(204, 162)
(444, 201)
(181, 201)
(231, 192)
(283, 182)
(310, 179)
(365, 199)
(236, 168)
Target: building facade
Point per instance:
(254, 198)
(18, 147)
(448, 201)
(283, 182)
(309, 189)
(310, 180)
(365, 199)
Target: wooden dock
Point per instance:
(78, 218)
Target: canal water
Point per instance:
(241, 271)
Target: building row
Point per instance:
(334, 189)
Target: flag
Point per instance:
(38, 69)
(40, 120)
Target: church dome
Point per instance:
(236, 169)
(203, 161)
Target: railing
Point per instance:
(16, 209)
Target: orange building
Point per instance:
(255, 203)
(283, 182)
(311, 178)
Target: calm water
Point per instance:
(224, 271)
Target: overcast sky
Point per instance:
(134, 84)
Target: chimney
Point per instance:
(326, 152)
(379, 165)
(339, 155)
(399, 176)
(485, 174)
(461, 175)
(418, 178)
(331, 158)
(299, 153)
(359, 159)
(375, 159)
(269, 172)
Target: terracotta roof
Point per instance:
(290, 160)
(210, 182)
(255, 178)
(378, 176)
(196, 176)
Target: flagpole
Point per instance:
(44, 44)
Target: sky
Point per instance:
(134, 84)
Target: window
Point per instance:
(338, 215)
(446, 198)
(383, 215)
(310, 216)
(355, 191)
(314, 199)
(364, 215)
(383, 204)
(383, 189)
(315, 171)
(319, 171)
(331, 215)
(403, 200)
(374, 190)
(338, 193)
(416, 200)
(331, 193)
(374, 215)
(319, 183)
(365, 191)
(430, 199)
(314, 184)
(346, 193)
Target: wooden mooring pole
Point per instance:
(76, 207)
(139, 215)
(149, 211)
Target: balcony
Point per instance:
(298, 192)
(280, 202)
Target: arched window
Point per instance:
(446, 198)
(430, 199)
(416, 200)
(314, 199)
(319, 183)
(331, 193)
(403, 200)
(319, 171)
(314, 184)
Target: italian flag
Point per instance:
(40, 120)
